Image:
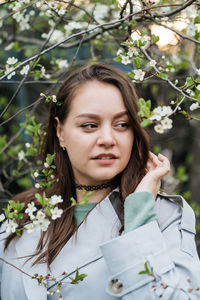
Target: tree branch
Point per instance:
(178, 33)
(16, 11)
(168, 80)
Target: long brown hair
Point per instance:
(60, 230)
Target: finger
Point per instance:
(165, 161)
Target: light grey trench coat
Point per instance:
(112, 262)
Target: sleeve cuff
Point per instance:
(138, 210)
(126, 255)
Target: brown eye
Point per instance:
(89, 126)
(122, 125)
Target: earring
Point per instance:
(63, 148)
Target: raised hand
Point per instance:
(157, 167)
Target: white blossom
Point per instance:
(101, 11)
(43, 73)
(8, 70)
(56, 199)
(198, 71)
(43, 224)
(139, 74)
(167, 110)
(152, 63)
(32, 13)
(56, 213)
(159, 128)
(2, 217)
(119, 52)
(198, 87)
(37, 185)
(35, 174)
(39, 4)
(55, 36)
(24, 23)
(132, 51)
(27, 145)
(54, 99)
(160, 112)
(40, 215)
(46, 165)
(9, 46)
(194, 106)
(30, 209)
(21, 155)
(12, 60)
(62, 63)
(72, 25)
(30, 227)
(167, 123)
(11, 226)
(25, 70)
(157, 114)
(125, 60)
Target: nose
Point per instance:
(106, 137)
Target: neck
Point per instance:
(96, 196)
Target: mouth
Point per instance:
(105, 156)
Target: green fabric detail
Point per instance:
(138, 210)
(80, 212)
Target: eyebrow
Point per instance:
(96, 116)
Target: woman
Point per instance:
(131, 242)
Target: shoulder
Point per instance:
(174, 208)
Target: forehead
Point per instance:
(97, 97)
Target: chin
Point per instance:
(105, 178)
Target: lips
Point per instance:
(105, 156)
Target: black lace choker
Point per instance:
(95, 187)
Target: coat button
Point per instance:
(116, 286)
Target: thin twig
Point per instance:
(12, 265)
(168, 80)
(16, 11)
(21, 110)
(26, 75)
(176, 10)
(178, 33)
(111, 25)
(11, 141)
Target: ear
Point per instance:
(59, 132)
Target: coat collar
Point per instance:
(101, 225)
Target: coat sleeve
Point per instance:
(167, 247)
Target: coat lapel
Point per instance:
(101, 225)
(82, 249)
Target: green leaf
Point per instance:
(50, 158)
(163, 76)
(18, 232)
(197, 20)
(146, 270)
(85, 197)
(39, 198)
(145, 123)
(137, 61)
(155, 38)
(74, 203)
(78, 277)
(148, 103)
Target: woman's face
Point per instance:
(96, 133)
